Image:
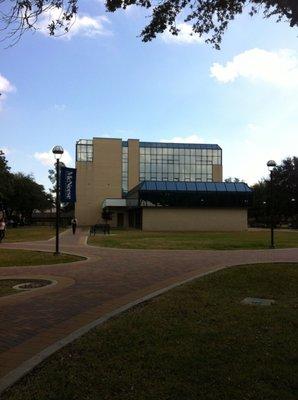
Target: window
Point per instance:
(124, 169)
(169, 162)
(84, 150)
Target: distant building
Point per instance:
(157, 186)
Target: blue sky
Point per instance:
(102, 80)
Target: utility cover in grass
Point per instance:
(255, 301)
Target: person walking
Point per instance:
(74, 223)
(2, 229)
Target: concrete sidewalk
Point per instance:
(88, 290)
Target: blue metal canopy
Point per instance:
(222, 187)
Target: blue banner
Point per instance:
(68, 185)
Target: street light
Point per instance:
(271, 164)
(293, 202)
(57, 151)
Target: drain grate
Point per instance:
(255, 301)
(34, 284)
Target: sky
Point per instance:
(101, 80)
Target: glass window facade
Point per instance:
(171, 162)
(84, 150)
(181, 163)
(124, 168)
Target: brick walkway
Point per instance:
(86, 290)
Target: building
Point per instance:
(157, 186)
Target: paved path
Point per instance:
(87, 290)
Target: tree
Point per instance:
(5, 180)
(259, 211)
(234, 180)
(285, 188)
(28, 195)
(209, 18)
(19, 193)
(52, 177)
(285, 195)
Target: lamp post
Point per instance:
(57, 151)
(293, 202)
(1, 204)
(271, 164)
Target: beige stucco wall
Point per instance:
(98, 180)
(194, 219)
(133, 163)
(83, 205)
(217, 173)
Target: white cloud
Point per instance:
(47, 158)
(81, 25)
(5, 87)
(246, 157)
(185, 36)
(184, 139)
(279, 68)
(60, 107)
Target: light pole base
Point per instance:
(56, 253)
(272, 247)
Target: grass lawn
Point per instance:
(6, 286)
(194, 240)
(29, 233)
(13, 258)
(196, 342)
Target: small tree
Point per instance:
(52, 177)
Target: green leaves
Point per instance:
(285, 194)
(19, 193)
(208, 18)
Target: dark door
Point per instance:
(120, 220)
(131, 219)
